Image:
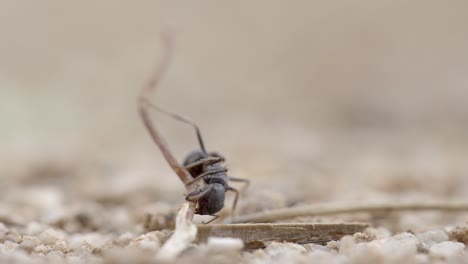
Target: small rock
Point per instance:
(460, 234)
(223, 244)
(311, 247)
(56, 254)
(401, 247)
(363, 237)
(8, 246)
(276, 249)
(432, 237)
(13, 238)
(447, 249)
(3, 230)
(89, 240)
(30, 242)
(333, 245)
(42, 249)
(146, 241)
(346, 244)
(123, 240)
(50, 236)
(378, 233)
(60, 246)
(34, 228)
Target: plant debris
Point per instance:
(259, 235)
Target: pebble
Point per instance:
(50, 236)
(276, 249)
(447, 249)
(30, 242)
(8, 246)
(432, 237)
(400, 247)
(3, 230)
(89, 240)
(148, 241)
(224, 244)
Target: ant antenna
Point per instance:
(181, 119)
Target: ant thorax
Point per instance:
(218, 176)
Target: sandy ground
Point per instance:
(313, 101)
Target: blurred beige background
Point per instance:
(318, 100)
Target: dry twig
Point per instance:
(143, 106)
(256, 235)
(185, 230)
(327, 209)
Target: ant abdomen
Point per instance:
(213, 201)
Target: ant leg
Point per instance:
(199, 193)
(245, 181)
(201, 176)
(204, 161)
(235, 200)
(181, 119)
(211, 220)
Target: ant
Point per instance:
(199, 165)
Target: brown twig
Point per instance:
(256, 235)
(144, 105)
(327, 209)
(185, 229)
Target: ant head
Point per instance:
(194, 156)
(197, 155)
(213, 201)
(216, 155)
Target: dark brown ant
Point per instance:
(198, 165)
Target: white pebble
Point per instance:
(146, 241)
(92, 240)
(34, 228)
(403, 244)
(50, 236)
(447, 249)
(30, 242)
(276, 249)
(432, 237)
(60, 246)
(378, 233)
(56, 254)
(3, 230)
(400, 247)
(222, 244)
(42, 249)
(346, 245)
(124, 239)
(8, 246)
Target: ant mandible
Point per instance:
(199, 165)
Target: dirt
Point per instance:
(314, 102)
